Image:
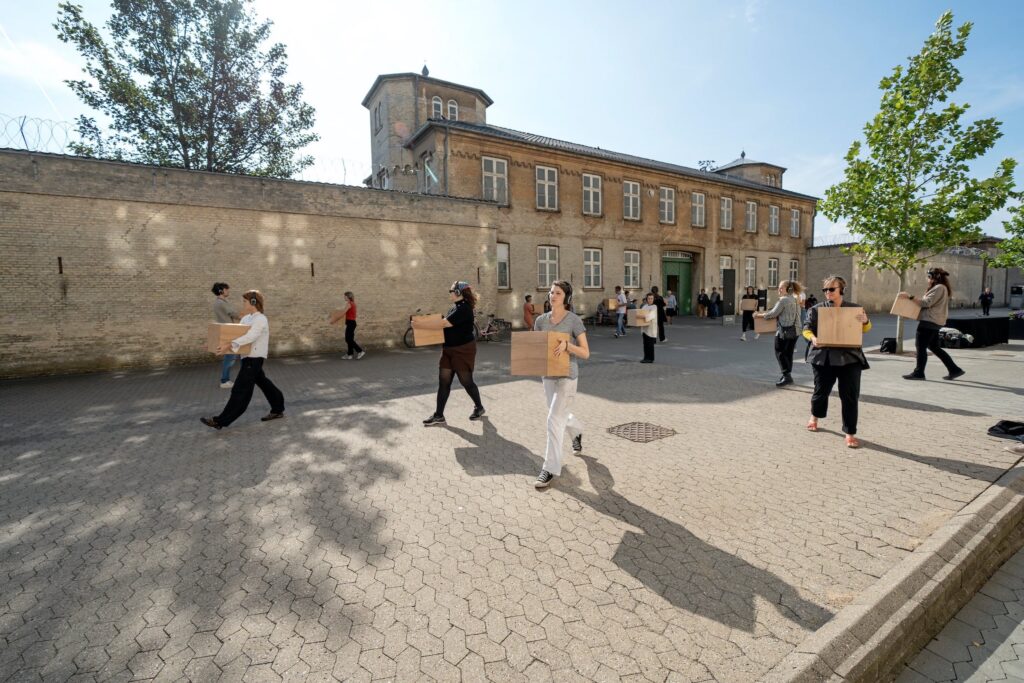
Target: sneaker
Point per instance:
(757, 335)
(577, 444)
(616, 335)
(347, 356)
(227, 385)
(434, 420)
(743, 338)
(913, 375)
(271, 416)
(477, 413)
(646, 361)
(953, 375)
(360, 355)
(784, 380)
(210, 422)
(543, 479)
(1017, 448)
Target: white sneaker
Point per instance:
(227, 385)
(360, 355)
(346, 357)
(757, 335)
(743, 337)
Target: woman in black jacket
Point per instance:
(835, 364)
(748, 316)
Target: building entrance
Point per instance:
(675, 273)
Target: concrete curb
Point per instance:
(891, 621)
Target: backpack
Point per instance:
(888, 345)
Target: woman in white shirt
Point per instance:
(251, 373)
(650, 331)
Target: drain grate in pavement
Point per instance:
(641, 432)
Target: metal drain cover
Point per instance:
(641, 432)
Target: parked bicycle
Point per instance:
(497, 329)
(408, 339)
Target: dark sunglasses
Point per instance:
(829, 289)
(453, 291)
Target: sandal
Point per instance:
(812, 424)
(852, 441)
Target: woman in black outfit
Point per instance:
(458, 355)
(748, 316)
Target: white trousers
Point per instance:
(559, 392)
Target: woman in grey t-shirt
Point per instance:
(561, 390)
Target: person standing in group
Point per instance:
(748, 316)
(934, 312)
(650, 332)
(986, 300)
(620, 312)
(528, 311)
(560, 391)
(716, 303)
(810, 302)
(659, 302)
(251, 374)
(223, 312)
(458, 355)
(702, 303)
(671, 306)
(354, 349)
(831, 365)
(786, 312)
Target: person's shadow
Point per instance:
(669, 560)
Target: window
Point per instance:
(666, 205)
(547, 188)
(630, 200)
(378, 118)
(751, 272)
(724, 264)
(453, 110)
(751, 216)
(436, 108)
(382, 179)
(725, 216)
(773, 220)
(794, 270)
(592, 268)
(773, 272)
(591, 194)
(697, 209)
(631, 278)
(547, 266)
(504, 280)
(794, 222)
(495, 173)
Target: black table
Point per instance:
(986, 331)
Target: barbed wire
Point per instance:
(834, 240)
(35, 135)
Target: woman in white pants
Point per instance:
(561, 390)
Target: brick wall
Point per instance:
(140, 247)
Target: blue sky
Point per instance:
(788, 82)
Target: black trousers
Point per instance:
(784, 353)
(250, 375)
(748, 320)
(985, 307)
(350, 338)
(648, 346)
(825, 377)
(927, 339)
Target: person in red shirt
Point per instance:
(354, 349)
(528, 312)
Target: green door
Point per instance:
(675, 274)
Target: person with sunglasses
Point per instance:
(831, 365)
(458, 354)
(934, 312)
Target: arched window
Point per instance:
(453, 110)
(437, 113)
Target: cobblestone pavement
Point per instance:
(348, 542)
(985, 641)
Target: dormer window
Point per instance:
(437, 112)
(453, 110)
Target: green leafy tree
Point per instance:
(187, 83)
(910, 195)
(1011, 249)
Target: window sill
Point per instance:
(701, 227)
(593, 289)
(593, 215)
(670, 223)
(544, 210)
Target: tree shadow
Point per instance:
(963, 468)
(688, 572)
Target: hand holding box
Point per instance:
(748, 304)
(533, 354)
(427, 337)
(906, 308)
(765, 325)
(219, 334)
(838, 327)
(639, 317)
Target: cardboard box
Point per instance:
(533, 354)
(906, 308)
(637, 317)
(336, 316)
(427, 337)
(218, 334)
(612, 304)
(748, 304)
(765, 325)
(839, 327)
(538, 309)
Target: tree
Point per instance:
(910, 196)
(1011, 249)
(186, 83)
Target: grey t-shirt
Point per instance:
(223, 312)
(570, 324)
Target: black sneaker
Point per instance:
(784, 380)
(477, 413)
(543, 479)
(434, 420)
(913, 375)
(577, 445)
(956, 373)
(271, 416)
(211, 422)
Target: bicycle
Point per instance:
(408, 338)
(497, 329)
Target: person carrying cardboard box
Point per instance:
(650, 332)
(223, 312)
